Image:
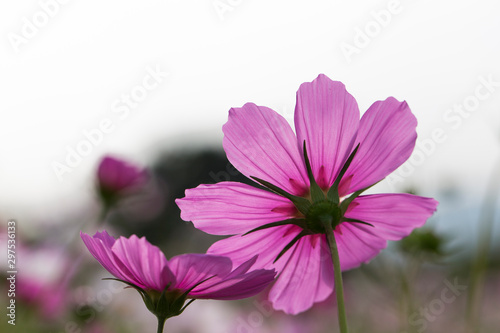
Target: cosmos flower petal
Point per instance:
(192, 268)
(266, 243)
(260, 143)
(145, 261)
(107, 240)
(387, 137)
(235, 285)
(100, 246)
(244, 267)
(228, 208)
(327, 119)
(307, 277)
(357, 245)
(393, 216)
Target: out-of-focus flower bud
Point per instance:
(118, 178)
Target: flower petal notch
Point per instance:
(314, 182)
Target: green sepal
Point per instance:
(173, 301)
(316, 192)
(169, 304)
(333, 192)
(347, 201)
(144, 295)
(298, 222)
(292, 242)
(164, 305)
(347, 219)
(302, 204)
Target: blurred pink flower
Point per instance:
(50, 300)
(334, 153)
(43, 279)
(117, 177)
(196, 276)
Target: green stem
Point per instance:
(161, 323)
(339, 289)
(102, 217)
(408, 277)
(480, 265)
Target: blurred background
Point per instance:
(152, 81)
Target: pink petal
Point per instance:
(266, 243)
(100, 247)
(145, 261)
(387, 137)
(394, 214)
(357, 244)
(229, 208)
(243, 268)
(260, 143)
(220, 281)
(237, 286)
(311, 260)
(307, 277)
(107, 240)
(393, 217)
(327, 118)
(192, 269)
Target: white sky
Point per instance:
(70, 72)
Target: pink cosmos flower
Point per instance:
(165, 285)
(311, 174)
(116, 177)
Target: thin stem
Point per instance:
(339, 289)
(102, 216)
(408, 276)
(480, 265)
(161, 323)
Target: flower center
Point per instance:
(317, 209)
(321, 213)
